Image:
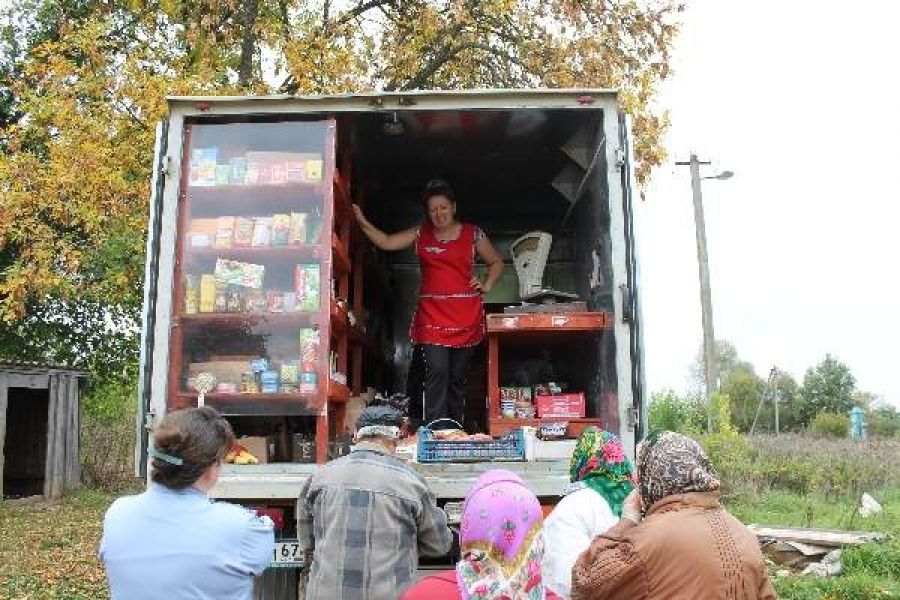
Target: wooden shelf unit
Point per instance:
(512, 327)
(213, 336)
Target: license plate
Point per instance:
(287, 553)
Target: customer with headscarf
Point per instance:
(501, 543)
(172, 541)
(674, 540)
(600, 475)
(366, 517)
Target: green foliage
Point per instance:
(830, 425)
(744, 389)
(827, 387)
(884, 422)
(671, 412)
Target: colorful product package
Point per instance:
(224, 232)
(191, 295)
(238, 167)
(281, 229)
(257, 301)
(202, 170)
(222, 174)
(289, 372)
(295, 171)
(262, 231)
(278, 173)
(220, 304)
(239, 273)
(313, 170)
(275, 301)
(207, 293)
(307, 286)
(243, 232)
(297, 232)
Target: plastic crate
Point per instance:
(510, 447)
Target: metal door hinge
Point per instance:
(633, 416)
(620, 157)
(148, 420)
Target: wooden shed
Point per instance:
(39, 429)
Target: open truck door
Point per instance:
(148, 318)
(631, 291)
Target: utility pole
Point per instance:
(711, 374)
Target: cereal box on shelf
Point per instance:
(262, 231)
(224, 232)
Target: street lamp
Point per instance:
(711, 375)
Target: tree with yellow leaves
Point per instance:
(86, 82)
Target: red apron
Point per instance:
(450, 311)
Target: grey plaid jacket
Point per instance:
(366, 517)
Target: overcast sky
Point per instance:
(800, 99)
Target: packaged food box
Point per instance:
(269, 380)
(262, 231)
(220, 304)
(307, 286)
(289, 373)
(224, 232)
(202, 233)
(238, 167)
(297, 232)
(257, 301)
(275, 301)
(303, 449)
(278, 173)
(202, 169)
(290, 301)
(243, 231)
(281, 229)
(294, 171)
(561, 405)
(239, 273)
(207, 293)
(222, 174)
(191, 295)
(313, 170)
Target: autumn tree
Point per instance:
(84, 82)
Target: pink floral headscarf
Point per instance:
(501, 540)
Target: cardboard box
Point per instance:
(256, 445)
(561, 405)
(303, 449)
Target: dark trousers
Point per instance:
(445, 383)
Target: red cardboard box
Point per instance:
(561, 405)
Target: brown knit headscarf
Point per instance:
(669, 463)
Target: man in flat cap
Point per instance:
(366, 517)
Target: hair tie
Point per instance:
(172, 460)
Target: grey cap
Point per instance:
(379, 415)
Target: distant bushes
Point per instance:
(833, 467)
(827, 424)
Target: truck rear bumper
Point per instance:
(284, 481)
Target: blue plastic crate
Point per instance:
(510, 447)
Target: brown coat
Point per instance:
(688, 547)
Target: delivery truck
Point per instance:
(263, 299)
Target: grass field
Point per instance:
(49, 550)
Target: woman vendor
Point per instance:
(449, 318)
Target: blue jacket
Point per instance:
(179, 545)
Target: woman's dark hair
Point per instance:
(199, 437)
(437, 187)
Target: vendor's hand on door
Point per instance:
(358, 213)
(477, 285)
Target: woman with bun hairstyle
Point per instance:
(449, 318)
(172, 541)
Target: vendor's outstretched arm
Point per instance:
(385, 241)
